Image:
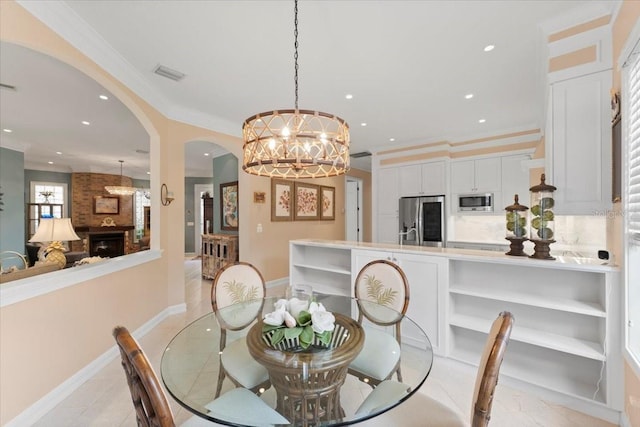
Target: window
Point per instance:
(49, 192)
(140, 200)
(631, 132)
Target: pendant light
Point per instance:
(295, 143)
(120, 190)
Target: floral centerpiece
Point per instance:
(299, 321)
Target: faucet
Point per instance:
(406, 234)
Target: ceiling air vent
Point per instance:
(163, 71)
(360, 154)
(7, 87)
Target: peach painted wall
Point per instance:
(627, 18)
(51, 326)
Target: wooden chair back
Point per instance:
(150, 402)
(383, 283)
(489, 368)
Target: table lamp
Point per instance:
(55, 230)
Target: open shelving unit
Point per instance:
(565, 326)
(326, 269)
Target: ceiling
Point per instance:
(407, 64)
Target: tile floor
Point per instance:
(104, 400)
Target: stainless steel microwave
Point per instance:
(475, 202)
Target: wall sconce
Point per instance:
(166, 197)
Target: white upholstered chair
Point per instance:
(383, 283)
(431, 413)
(235, 283)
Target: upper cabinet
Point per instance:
(427, 179)
(579, 139)
(476, 176)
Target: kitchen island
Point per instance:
(566, 342)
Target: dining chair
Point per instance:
(382, 283)
(239, 282)
(430, 412)
(151, 405)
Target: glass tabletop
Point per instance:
(192, 361)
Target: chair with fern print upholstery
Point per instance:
(238, 284)
(384, 284)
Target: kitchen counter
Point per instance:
(566, 341)
(561, 262)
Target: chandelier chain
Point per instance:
(295, 56)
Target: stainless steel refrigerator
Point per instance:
(422, 221)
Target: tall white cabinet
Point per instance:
(579, 141)
(387, 196)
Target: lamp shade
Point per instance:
(54, 229)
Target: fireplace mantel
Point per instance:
(92, 229)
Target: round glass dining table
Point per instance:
(313, 387)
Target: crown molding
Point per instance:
(64, 21)
(579, 15)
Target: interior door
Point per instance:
(353, 211)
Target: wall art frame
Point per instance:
(307, 202)
(327, 203)
(282, 200)
(229, 206)
(106, 205)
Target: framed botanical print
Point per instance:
(229, 206)
(109, 205)
(306, 201)
(327, 202)
(281, 200)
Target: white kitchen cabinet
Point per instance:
(476, 176)
(387, 195)
(426, 179)
(427, 277)
(580, 144)
(515, 180)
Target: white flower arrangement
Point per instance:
(299, 319)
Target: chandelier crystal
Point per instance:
(120, 190)
(295, 143)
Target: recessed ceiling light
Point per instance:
(104, 97)
(148, 173)
(348, 96)
(86, 123)
(489, 48)
(363, 124)
(50, 163)
(468, 96)
(481, 121)
(392, 139)
(7, 130)
(59, 153)
(206, 154)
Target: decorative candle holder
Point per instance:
(516, 227)
(542, 221)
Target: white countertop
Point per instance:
(561, 262)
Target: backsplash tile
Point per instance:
(582, 235)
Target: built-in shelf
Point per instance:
(563, 343)
(559, 383)
(328, 268)
(562, 304)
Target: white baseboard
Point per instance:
(40, 408)
(284, 281)
(624, 421)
